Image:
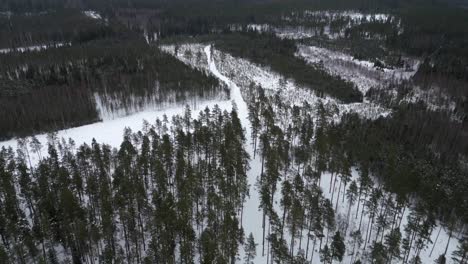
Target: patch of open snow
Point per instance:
(111, 131)
(355, 16)
(434, 98)
(360, 72)
(92, 14)
(323, 24)
(109, 107)
(34, 48)
(244, 73)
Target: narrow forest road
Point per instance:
(252, 217)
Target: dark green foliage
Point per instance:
(399, 150)
(378, 254)
(48, 28)
(460, 255)
(250, 250)
(338, 247)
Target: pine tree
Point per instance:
(392, 243)
(460, 255)
(378, 253)
(440, 260)
(326, 255)
(250, 250)
(351, 196)
(338, 247)
(357, 242)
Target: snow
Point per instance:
(353, 15)
(425, 255)
(434, 98)
(243, 72)
(360, 72)
(111, 131)
(323, 24)
(108, 107)
(34, 48)
(92, 14)
(252, 217)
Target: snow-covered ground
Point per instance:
(353, 15)
(92, 14)
(433, 97)
(360, 72)
(243, 73)
(111, 131)
(109, 108)
(321, 24)
(34, 48)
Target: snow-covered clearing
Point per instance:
(34, 48)
(110, 108)
(111, 131)
(353, 15)
(362, 73)
(433, 97)
(323, 24)
(244, 73)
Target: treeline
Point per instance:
(38, 88)
(49, 28)
(172, 193)
(279, 54)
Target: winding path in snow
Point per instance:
(252, 216)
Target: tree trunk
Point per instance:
(448, 241)
(313, 250)
(308, 238)
(435, 242)
(263, 238)
(338, 197)
(358, 203)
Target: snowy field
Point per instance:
(111, 131)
